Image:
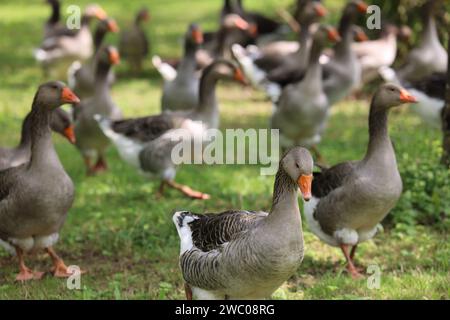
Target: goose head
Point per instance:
(355, 7)
(54, 94)
(234, 21)
(62, 124)
(108, 25)
(309, 12)
(298, 164)
(226, 69)
(95, 11)
(194, 35)
(326, 34)
(143, 15)
(391, 95)
(108, 56)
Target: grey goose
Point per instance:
(36, 196)
(350, 199)
(239, 254)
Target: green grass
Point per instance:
(123, 235)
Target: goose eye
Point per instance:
(298, 167)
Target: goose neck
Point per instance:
(379, 141)
(25, 138)
(99, 36)
(285, 208)
(42, 150)
(207, 93)
(56, 15)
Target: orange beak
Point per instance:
(197, 35)
(239, 76)
(361, 36)
(114, 57)
(112, 26)
(320, 10)
(405, 96)
(100, 14)
(67, 96)
(362, 7)
(241, 24)
(304, 182)
(333, 35)
(69, 133)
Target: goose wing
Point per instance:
(330, 179)
(145, 129)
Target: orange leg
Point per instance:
(60, 269)
(188, 291)
(350, 266)
(101, 164)
(90, 171)
(26, 273)
(187, 191)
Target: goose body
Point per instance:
(35, 197)
(247, 254)
(181, 93)
(352, 198)
(302, 109)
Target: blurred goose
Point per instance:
(375, 54)
(82, 76)
(302, 110)
(36, 196)
(350, 199)
(60, 122)
(182, 92)
(342, 73)
(90, 140)
(146, 143)
(247, 254)
(134, 45)
(63, 48)
(258, 68)
(429, 56)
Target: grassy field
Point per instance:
(123, 235)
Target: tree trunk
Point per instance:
(446, 117)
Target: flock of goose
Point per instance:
(234, 254)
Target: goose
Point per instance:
(239, 254)
(350, 199)
(66, 46)
(429, 91)
(134, 44)
(258, 67)
(60, 122)
(90, 140)
(429, 56)
(375, 54)
(302, 109)
(36, 196)
(82, 76)
(147, 143)
(182, 92)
